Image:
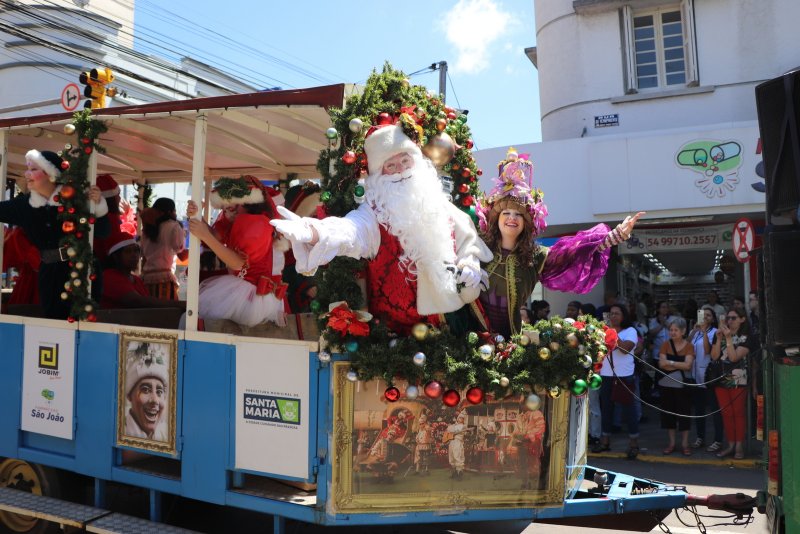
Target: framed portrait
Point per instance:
(418, 454)
(146, 398)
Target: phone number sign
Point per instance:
(677, 239)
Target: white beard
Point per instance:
(413, 208)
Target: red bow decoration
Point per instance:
(410, 111)
(345, 321)
(611, 339)
(579, 324)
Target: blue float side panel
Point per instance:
(207, 369)
(11, 339)
(96, 395)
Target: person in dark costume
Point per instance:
(36, 212)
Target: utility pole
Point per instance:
(443, 80)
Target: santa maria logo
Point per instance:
(272, 409)
(48, 359)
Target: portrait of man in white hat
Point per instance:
(146, 391)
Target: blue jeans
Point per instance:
(630, 412)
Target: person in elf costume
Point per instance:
(249, 293)
(423, 253)
(510, 218)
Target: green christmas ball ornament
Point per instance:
(579, 387)
(595, 381)
(472, 338)
(351, 346)
(359, 191)
(462, 118)
(331, 134)
(325, 196)
(315, 306)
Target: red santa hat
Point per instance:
(119, 240)
(108, 185)
(385, 142)
(236, 191)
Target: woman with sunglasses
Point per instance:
(732, 344)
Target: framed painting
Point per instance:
(146, 399)
(419, 454)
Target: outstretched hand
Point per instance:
(294, 227)
(626, 226)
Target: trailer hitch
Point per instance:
(735, 503)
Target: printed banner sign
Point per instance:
(272, 398)
(717, 237)
(48, 381)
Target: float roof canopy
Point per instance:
(267, 134)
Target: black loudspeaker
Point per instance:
(778, 105)
(782, 287)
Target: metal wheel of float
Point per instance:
(34, 479)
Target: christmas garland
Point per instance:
(555, 354)
(75, 215)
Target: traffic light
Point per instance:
(95, 82)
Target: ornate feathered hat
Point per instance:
(513, 188)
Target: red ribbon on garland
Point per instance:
(345, 321)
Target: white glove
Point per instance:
(469, 276)
(293, 227)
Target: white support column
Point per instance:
(198, 171)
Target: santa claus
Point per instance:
(423, 253)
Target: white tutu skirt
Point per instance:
(230, 297)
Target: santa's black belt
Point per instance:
(54, 255)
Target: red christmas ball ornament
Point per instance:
(384, 118)
(480, 172)
(433, 389)
(86, 140)
(475, 395)
(451, 398)
(92, 276)
(92, 318)
(88, 150)
(56, 198)
(60, 208)
(470, 144)
(71, 211)
(455, 166)
(67, 192)
(466, 173)
(597, 367)
(70, 319)
(349, 157)
(91, 220)
(463, 188)
(448, 109)
(392, 394)
(79, 235)
(451, 115)
(64, 165)
(68, 227)
(467, 201)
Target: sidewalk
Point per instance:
(653, 439)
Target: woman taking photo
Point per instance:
(619, 365)
(732, 345)
(675, 359)
(704, 399)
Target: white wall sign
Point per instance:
(272, 412)
(48, 381)
(717, 237)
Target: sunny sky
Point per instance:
(309, 43)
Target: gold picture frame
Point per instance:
(487, 470)
(146, 390)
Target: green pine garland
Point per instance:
(456, 361)
(75, 216)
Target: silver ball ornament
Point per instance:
(352, 376)
(486, 352)
(586, 361)
(419, 359)
(499, 339)
(324, 356)
(412, 392)
(355, 125)
(69, 129)
(392, 343)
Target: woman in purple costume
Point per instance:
(510, 218)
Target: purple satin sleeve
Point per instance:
(574, 264)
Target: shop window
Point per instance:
(659, 47)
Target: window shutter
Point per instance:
(628, 50)
(689, 48)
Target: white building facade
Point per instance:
(649, 105)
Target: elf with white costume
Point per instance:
(424, 253)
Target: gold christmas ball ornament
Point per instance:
(406, 82)
(504, 381)
(581, 349)
(440, 149)
(71, 252)
(544, 353)
(524, 340)
(554, 392)
(419, 331)
(79, 265)
(554, 346)
(64, 295)
(572, 340)
(69, 129)
(557, 327)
